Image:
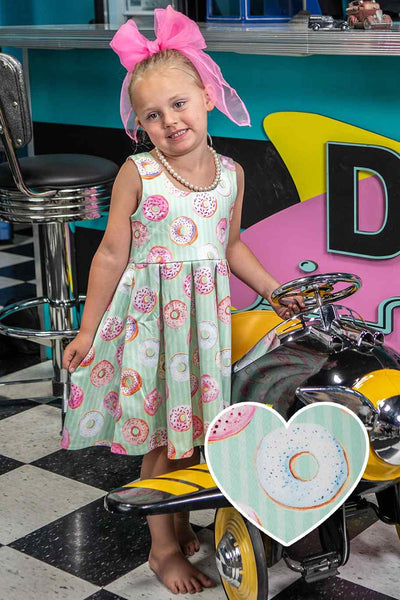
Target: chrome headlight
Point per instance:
(385, 435)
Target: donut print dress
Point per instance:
(159, 368)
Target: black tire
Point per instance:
(316, 27)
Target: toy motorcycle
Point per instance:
(326, 353)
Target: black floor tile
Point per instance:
(104, 595)
(8, 464)
(328, 589)
(22, 250)
(95, 466)
(23, 271)
(91, 543)
(23, 229)
(18, 292)
(10, 407)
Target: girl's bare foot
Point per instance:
(187, 538)
(177, 573)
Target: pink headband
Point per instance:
(174, 31)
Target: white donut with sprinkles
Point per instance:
(112, 405)
(131, 329)
(278, 466)
(204, 204)
(155, 208)
(91, 424)
(223, 361)
(175, 314)
(209, 251)
(152, 402)
(183, 231)
(224, 186)
(149, 352)
(180, 418)
(179, 366)
(148, 167)
(207, 334)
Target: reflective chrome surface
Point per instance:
(385, 436)
(229, 560)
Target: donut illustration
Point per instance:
(152, 402)
(194, 384)
(158, 438)
(102, 373)
(221, 230)
(183, 231)
(149, 351)
(209, 388)
(91, 424)
(180, 418)
(102, 443)
(249, 512)
(119, 354)
(144, 299)
(223, 361)
(224, 186)
(175, 314)
(210, 252)
(203, 280)
(187, 286)
(277, 466)
(155, 208)
(65, 439)
(204, 204)
(196, 358)
(159, 254)
(189, 336)
(135, 431)
(131, 382)
(232, 208)
(76, 396)
(127, 281)
(89, 358)
(170, 270)
(223, 268)
(131, 328)
(112, 405)
(224, 310)
(228, 163)
(197, 427)
(112, 328)
(231, 422)
(179, 366)
(118, 448)
(171, 453)
(207, 334)
(148, 167)
(188, 453)
(140, 234)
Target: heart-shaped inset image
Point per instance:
(286, 477)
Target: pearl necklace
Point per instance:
(195, 188)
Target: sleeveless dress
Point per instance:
(160, 365)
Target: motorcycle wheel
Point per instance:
(249, 579)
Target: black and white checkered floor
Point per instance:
(58, 542)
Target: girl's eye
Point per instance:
(152, 116)
(180, 103)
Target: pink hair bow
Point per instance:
(174, 31)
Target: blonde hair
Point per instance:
(169, 59)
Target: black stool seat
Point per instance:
(60, 171)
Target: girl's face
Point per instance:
(172, 109)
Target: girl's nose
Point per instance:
(169, 118)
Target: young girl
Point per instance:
(158, 369)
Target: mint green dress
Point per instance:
(159, 368)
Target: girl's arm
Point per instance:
(108, 263)
(244, 264)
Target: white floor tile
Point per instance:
(43, 369)
(31, 498)
(31, 434)
(203, 518)
(25, 578)
(6, 282)
(7, 259)
(375, 560)
(142, 583)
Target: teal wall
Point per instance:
(82, 87)
(43, 12)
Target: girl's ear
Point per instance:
(138, 123)
(209, 95)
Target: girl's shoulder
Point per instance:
(146, 164)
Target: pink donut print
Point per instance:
(155, 208)
(119, 354)
(197, 427)
(183, 231)
(194, 384)
(175, 314)
(187, 286)
(158, 438)
(180, 418)
(221, 230)
(148, 167)
(102, 373)
(152, 402)
(118, 448)
(112, 405)
(209, 388)
(231, 422)
(228, 163)
(89, 358)
(171, 453)
(232, 208)
(223, 268)
(159, 254)
(203, 280)
(66, 439)
(144, 300)
(170, 270)
(75, 397)
(196, 358)
(140, 234)
(135, 431)
(102, 443)
(131, 329)
(188, 453)
(112, 328)
(224, 310)
(204, 204)
(131, 382)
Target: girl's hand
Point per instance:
(288, 307)
(76, 351)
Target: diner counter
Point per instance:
(290, 39)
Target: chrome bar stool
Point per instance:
(50, 191)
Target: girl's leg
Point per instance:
(166, 558)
